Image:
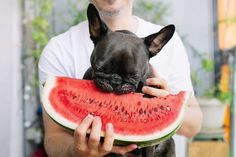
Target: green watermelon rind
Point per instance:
(147, 143)
(124, 143)
(140, 140)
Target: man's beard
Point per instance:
(109, 13)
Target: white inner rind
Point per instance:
(50, 84)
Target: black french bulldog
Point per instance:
(120, 64)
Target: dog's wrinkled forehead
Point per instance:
(119, 48)
(120, 42)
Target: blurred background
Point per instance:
(207, 27)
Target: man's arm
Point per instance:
(58, 142)
(193, 119)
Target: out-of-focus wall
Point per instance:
(10, 80)
(194, 21)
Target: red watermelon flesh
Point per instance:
(134, 117)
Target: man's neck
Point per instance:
(121, 21)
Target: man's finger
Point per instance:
(108, 139)
(94, 138)
(154, 91)
(80, 132)
(158, 82)
(124, 149)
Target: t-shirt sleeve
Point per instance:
(50, 62)
(179, 76)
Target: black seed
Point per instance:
(123, 108)
(161, 107)
(91, 101)
(145, 112)
(116, 108)
(155, 109)
(100, 104)
(126, 113)
(74, 97)
(96, 102)
(141, 111)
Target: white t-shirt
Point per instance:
(68, 54)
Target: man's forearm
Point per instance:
(56, 148)
(192, 120)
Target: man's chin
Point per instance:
(109, 8)
(109, 13)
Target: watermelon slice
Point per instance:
(136, 119)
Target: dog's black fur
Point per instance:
(120, 64)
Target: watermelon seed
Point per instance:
(145, 112)
(168, 108)
(161, 107)
(100, 104)
(74, 97)
(91, 101)
(116, 108)
(105, 104)
(155, 109)
(123, 108)
(144, 121)
(141, 111)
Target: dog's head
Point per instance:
(120, 60)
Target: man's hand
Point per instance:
(156, 86)
(92, 147)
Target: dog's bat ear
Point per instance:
(155, 42)
(97, 28)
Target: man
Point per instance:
(68, 55)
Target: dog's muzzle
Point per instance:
(115, 83)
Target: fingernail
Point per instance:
(109, 127)
(144, 89)
(89, 116)
(98, 118)
(147, 80)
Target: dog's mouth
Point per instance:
(115, 82)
